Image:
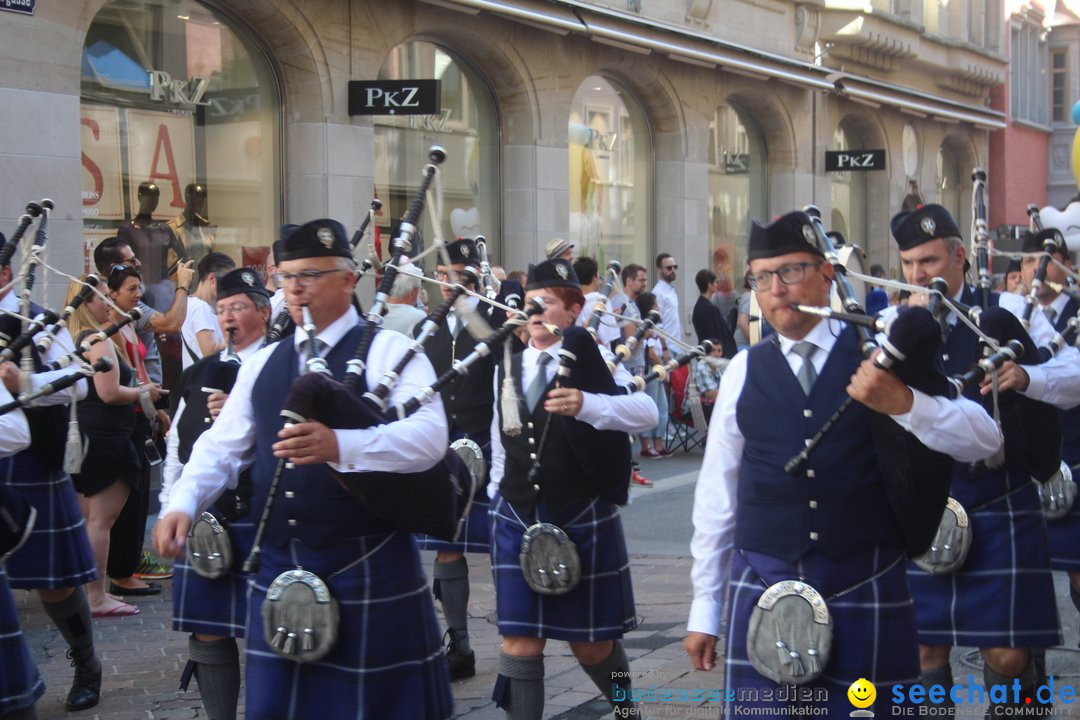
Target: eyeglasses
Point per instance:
(792, 274)
(235, 308)
(441, 275)
(670, 267)
(302, 278)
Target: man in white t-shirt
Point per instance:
(200, 335)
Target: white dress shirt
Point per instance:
(631, 413)
(410, 445)
(14, 430)
(960, 428)
(1056, 381)
(62, 345)
(170, 470)
(668, 300)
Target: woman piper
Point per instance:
(554, 478)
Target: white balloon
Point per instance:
(465, 223)
(1067, 221)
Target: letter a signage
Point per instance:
(848, 160)
(395, 97)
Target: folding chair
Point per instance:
(688, 430)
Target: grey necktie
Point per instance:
(807, 373)
(1051, 315)
(536, 389)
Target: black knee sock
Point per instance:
(451, 587)
(612, 677)
(217, 670)
(519, 688)
(1028, 685)
(72, 618)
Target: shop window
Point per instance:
(738, 191)
(466, 127)
(610, 156)
(848, 191)
(180, 120)
(948, 181)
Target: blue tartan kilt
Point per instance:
(476, 535)
(601, 607)
(873, 630)
(1003, 596)
(218, 606)
(20, 682)
(388, 661)
(57, 554)
(1063, 535)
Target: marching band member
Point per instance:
(833, 529)
(554, 473)
(20, 683)
(1002, 599)
(386, 661)
(56, 560)
(214, 610)
(467, 400)
(1059, 309)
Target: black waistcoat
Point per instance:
(568, 474)
(467, 399)
(310, 505)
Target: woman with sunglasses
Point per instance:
(114, 466)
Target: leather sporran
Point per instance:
(209, 547)
(1058, 494)
(301, 618)
(951, 544)
(789, 637)
(549, 560)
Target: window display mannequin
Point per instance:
(153, 243)
(191, 227)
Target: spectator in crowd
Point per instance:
(708, 322)
(402, 313)
(200, 334)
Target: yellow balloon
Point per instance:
(1076, 158)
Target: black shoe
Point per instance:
(16, 521)
(86, 688)
(460, 665)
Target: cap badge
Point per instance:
(561, 269)
(464, 251)
(928, 225)
(326, 237)
(248, 279)
(808, 234)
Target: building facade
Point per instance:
(628, 126)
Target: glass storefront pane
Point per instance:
(609, 175)
(180, 137)
(738, 191)
(467, 128)
(848, 191)
(948, 181)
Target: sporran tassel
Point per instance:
(509, 407)
(73, 449)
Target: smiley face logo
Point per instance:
(862, 693)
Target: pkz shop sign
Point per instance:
(20, 6)
(395, 97)
(848, 160)
(178, 92)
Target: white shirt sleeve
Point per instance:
(960, 428)
(219, 456)
(1056, 381)
(410, 445)
(715, 500)
(14, 430)
(62, 345)
(634, 413)
(498, 452)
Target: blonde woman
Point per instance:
(108, 419)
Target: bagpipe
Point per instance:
(434, 501)
(221, 372)
(916, 478)
(980, 235)
(611, 277)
